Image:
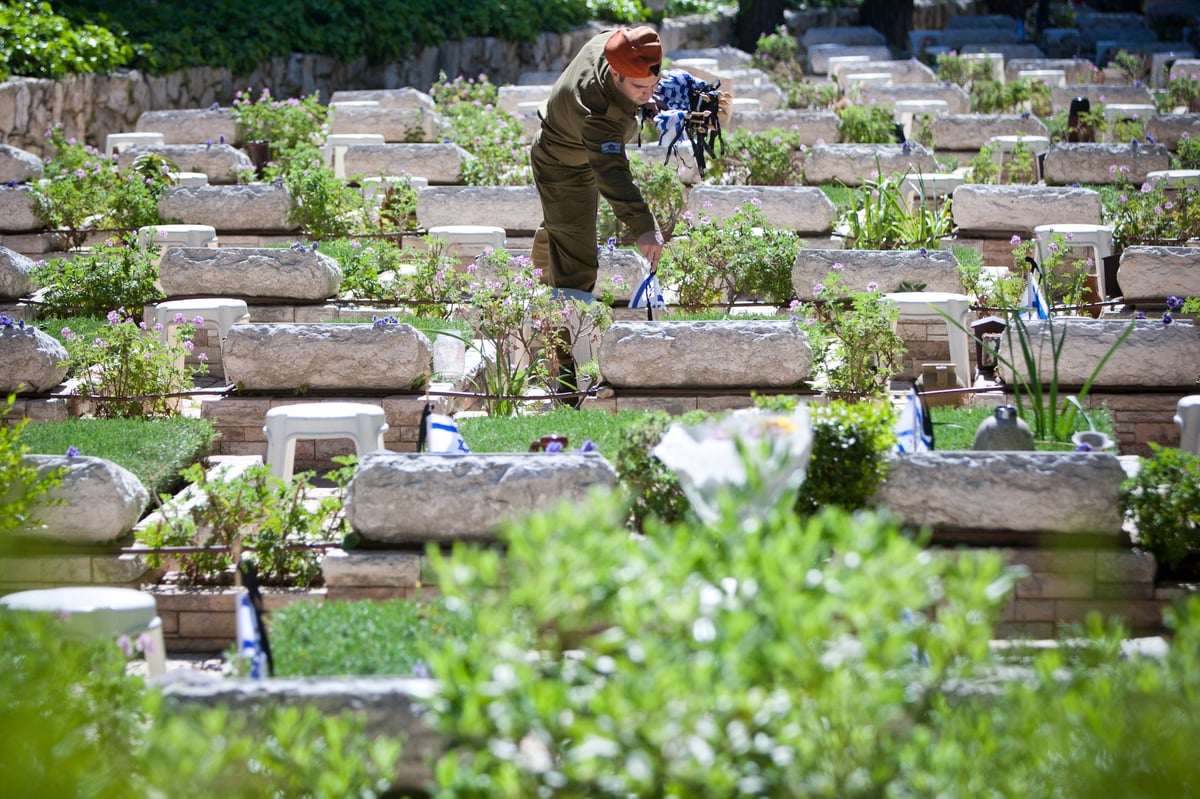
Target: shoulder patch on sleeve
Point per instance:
(611, 148)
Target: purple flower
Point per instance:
(421, 669)
(1174, 303)
(588, 446)
(125, 645)
(1167, 319)
(1015, 240)
(872, 286)
(1139, 314)
(198, 321)
(72, 451)
(1083, 446)
(554, 446)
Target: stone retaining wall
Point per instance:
(91, 106)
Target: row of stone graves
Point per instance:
(289, 295)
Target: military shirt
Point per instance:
(587, 120)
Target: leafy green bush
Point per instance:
(866, 124)
(20, 485)
(37, 43)
(851, 441)
(254, 510)
(88, 730)
(325, 206)
(82, 189)
(477, 125)
(853, 336)
(339, 639)
(153, 449)
(719, 260)
(1163, 499)
(787, 657)
(110, 275)
(768, 158)
(129, 371)
(661, 189)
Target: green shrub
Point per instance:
(254, 510)
(88, 730)
(1163, 499)
(37, 43)
(153, 449)
(784, 658)
(110, 275)
(20, 486)
(477, 125)
(851, 442)
(661, 189)
(719, 260)
(866, 124)
(324, 206)
(82, 189)
(768, 158)
(340, 639)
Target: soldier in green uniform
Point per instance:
(579, 154)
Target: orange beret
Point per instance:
(634, 52)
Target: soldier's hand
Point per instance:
(650, 244)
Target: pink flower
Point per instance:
(1015, 240)
(125, 645)
(189, 346)
(872, 286)
(178, 319)
(198, 321)
(202, 357)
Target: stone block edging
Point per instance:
(1026, 492)
(417, 498)
(937, 270)
(717, 354)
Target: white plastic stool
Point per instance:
(467, 241)
(178, 235)
(993, 60)
(373, 187)
(360, 422)
(904, 111)
(921, 305)
(937, 184)
(336, 145)
(852, 79)
(1129, 111)
(1187, 416)
(1175, 178)
(100, 612)
(834, 64)
(119, 142)
(1098, 237)
(1038, 145)
(189, 178)
(1050, 77)
(223, 312)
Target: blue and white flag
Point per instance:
(1033, 301)
(910, 427)
(649, 295)
(249, 637)
(442, 435)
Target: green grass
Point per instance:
(153, 449)
(954, 428)
(311, 639)
(495, 434)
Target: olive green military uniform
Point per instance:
(578, 155)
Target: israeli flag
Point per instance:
(910, 427)
(442, 435)
(1033, 301)
(649, 295)
(249, 637)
